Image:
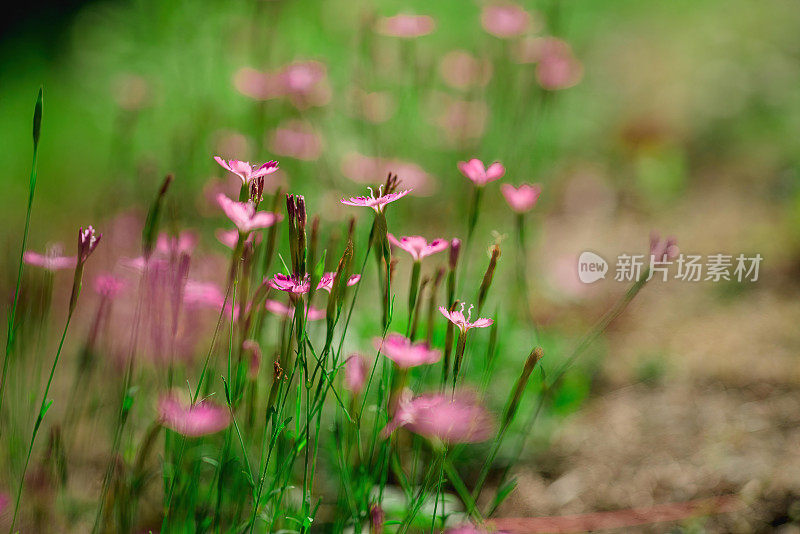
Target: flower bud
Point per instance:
(516, 394)
(88, 239)
(455, 248)
(486, 283)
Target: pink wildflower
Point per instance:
(88, 239)
(464, 323)
(245, 171)
(663, 249)
(108, 285)
(451, 419)
(364, 169)
(406, 354)
(291, 284)
(417, 246)
(505, 20)
(326, 282)
(406, 26)
(522, 198)
(193, 421)
(287, 310)
(480, 175)
(376, 203)
(5, 500)
(52, 260)
(245, 216)
(355, 373)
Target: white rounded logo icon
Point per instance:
(591, 267)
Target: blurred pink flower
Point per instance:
(108, 285)
(462, 70)
(663, 249)
(464, 323)
(406, 26)
(229, 238)
(202, 294)
(52, 260)
(287, 310)
(480, 176)
(404, 353)
(291, 284)
(364, 169)
(463, 120)
(375, 106)
(245, 216)
(5, 500)
(505, 20)
(256, 84)
(296, 139)
(451, 419)
(245, 171)
(522, 198)
(201, 419)
(183, 243)
(303, 82)
(254, 351)
(326, 282)
(557, 66)
(376, 203)
(356, 370)
(417, 246)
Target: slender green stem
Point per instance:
(39, 418)
(37, 121)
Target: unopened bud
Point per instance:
(455, 249)
(516, 394)
(486, 283)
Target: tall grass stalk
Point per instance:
(37, 128)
